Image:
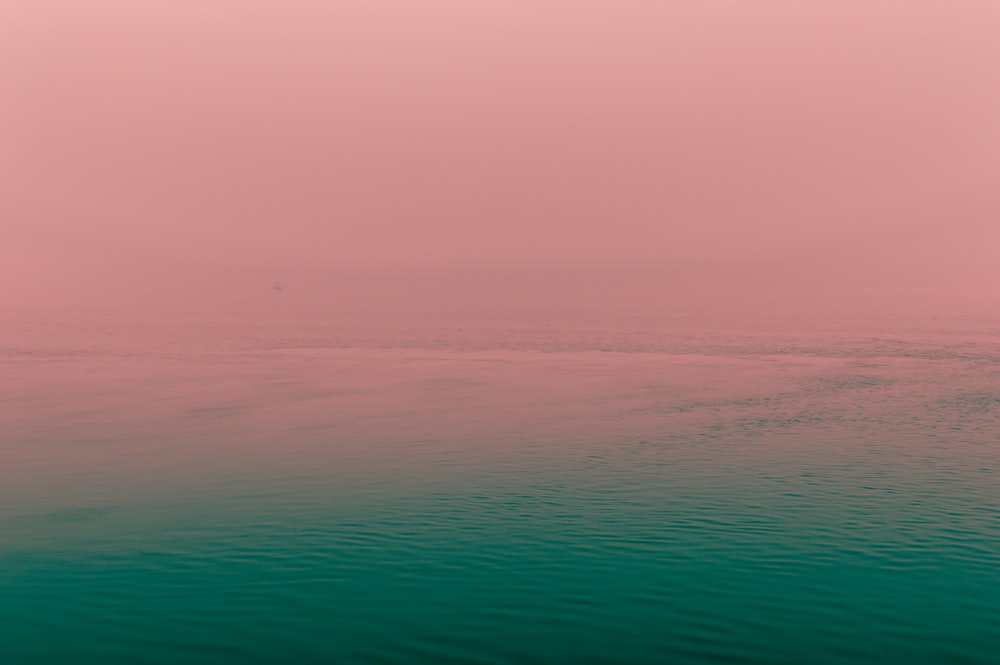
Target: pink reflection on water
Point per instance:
(163, 410)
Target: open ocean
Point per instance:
(280, 487)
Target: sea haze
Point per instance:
(604, 482)
(609, 332)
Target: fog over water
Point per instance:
(152, 150)
(610, 332)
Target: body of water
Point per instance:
(515, 489)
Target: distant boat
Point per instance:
(277, 285)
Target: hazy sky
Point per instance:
(145, 141)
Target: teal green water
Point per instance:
(749, 496)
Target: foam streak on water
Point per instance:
(215, 491)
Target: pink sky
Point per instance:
(145, 143)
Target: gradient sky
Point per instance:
(144, 143)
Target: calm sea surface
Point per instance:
(276, 488)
